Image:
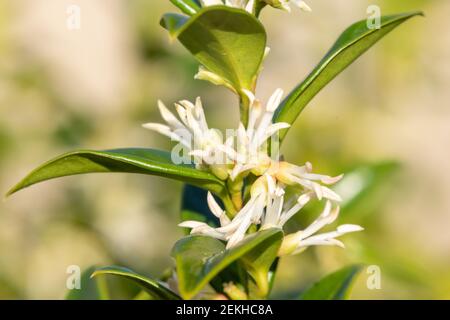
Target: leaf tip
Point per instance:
(13, 190)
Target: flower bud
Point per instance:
(206, 75)
(278, 4)
(220, 171)
(289, 244)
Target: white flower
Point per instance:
(248, 5)
(242, 4)
(267, 207)
(279, 211)
(301, 4)
(251, 150)
(299, 241)
(235, 230)
(291, 174)
(207, 3)
(285, 4)
(192, 131)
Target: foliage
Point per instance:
(230, 45)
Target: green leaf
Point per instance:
(335, 286)
(90, 289)
(199, 259)
(152, 287)
(352, 43)
(173, 22)
(136, 160)
(229, 42)
(189, 7)
(258, 264)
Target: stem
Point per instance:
(262, 283)
(257, 8)
(236, 198)
(244, 105)
(235, 191)
(229, 205)
(234, 292)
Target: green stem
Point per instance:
(257, 8)
(235, 190)
(244, 105)
(228, 203)
(262, 282)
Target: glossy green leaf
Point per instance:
(199, 259)
(189, 7)
(143, 161)
(335, 286)
(90, 289)
(152, 287)
(173, 22)
(258, 264)
(227, 41)
(352, 43)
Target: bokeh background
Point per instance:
(386, 120)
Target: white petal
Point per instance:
(160, 128)
(301, 202)
(318, 190)
(224, 220)
(245, 212)
(274, 100)
(169, 117)
(330, 194)
(328, 216)
(255, 112)
(271, 186)
(266, 52)
(346, 228)
(302, 5)
(191, 224)
(274, 208)
(214, 206)
(317, 242)
(239, 234)
(229, 151)
(211, 2)
(249, 6)
(181, 113)
(208, 231)
(276, 127)
(239, 168)
(200, 114)
(249, 95)
(271, 130)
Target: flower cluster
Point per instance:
(266, 205)
(249, 5)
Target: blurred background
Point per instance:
(385, 121)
